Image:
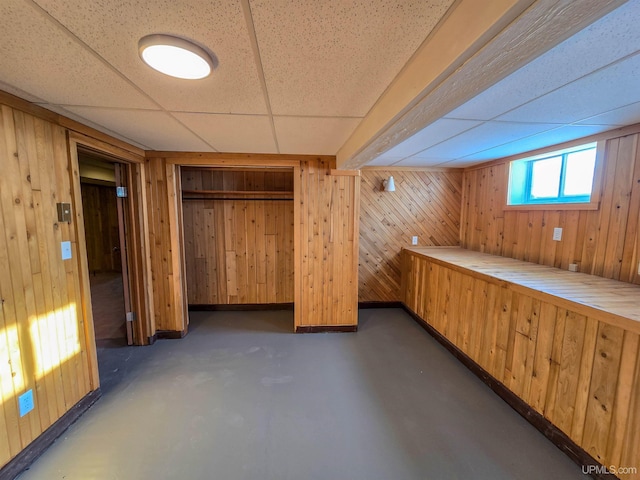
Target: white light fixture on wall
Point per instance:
(176, 57)
(389, 185)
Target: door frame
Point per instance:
(173, 161)
(137, 231)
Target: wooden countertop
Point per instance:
(608, 300)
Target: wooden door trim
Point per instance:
(121, 171)
(138, 255)
(83, 264)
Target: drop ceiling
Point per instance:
(299, 76)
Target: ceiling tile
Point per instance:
(627, 115)
(5, 87)
(232, 133)
(435, 133)
(113, 28)
(384, 161)
(609, 39)
(155, 129)
(313, 135)
(39, 58)
(85, 121)
(550, 137)
(335, 58)
(604, 90)
(485, 136)
(417, 161)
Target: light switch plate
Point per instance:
(414, 240)
(557, 234)
(66, 250)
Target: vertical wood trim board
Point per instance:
(425, 203)
(43, 347)
(604, 242)
(581, 374)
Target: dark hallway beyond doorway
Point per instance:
(107, 299)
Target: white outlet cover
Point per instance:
(557, 234)
(65, 247)
(414, 240)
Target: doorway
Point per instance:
(105, 236)
(238, 225)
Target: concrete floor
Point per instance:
(243, 398)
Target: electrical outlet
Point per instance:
(414, 240)
(26, 402)
(557, 234)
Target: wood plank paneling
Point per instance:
(325, 241)
(327, 248)
(582, 374)
(101, 227)
(165, 211)
(604, 242)
(42, 342)
(425, 203)
(216, 244)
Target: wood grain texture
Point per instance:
(426, 203)
(42, 343)
(223, 236)
(326, 246)
(603, 242)
(325, 241)
(162, 191)
(582, 374)
(101, 228)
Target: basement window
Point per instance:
(563, 177)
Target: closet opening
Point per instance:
(238, 238)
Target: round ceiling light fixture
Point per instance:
(176, 56)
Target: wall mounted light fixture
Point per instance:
(389, 185)
(176, 56)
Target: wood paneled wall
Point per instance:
(166, 251)
(326, 267)
(101, 227)
(582, 374)
(325, 242)
(42, 325)
(238, 251)
(425, 203)
(604, 242)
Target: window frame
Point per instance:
(560, 202)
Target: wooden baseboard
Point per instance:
(327, 328)
(26, 457)
(367, 305)
(544, 426)
(169, 335)
(240, 307)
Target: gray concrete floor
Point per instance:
(243, 398)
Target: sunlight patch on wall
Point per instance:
(11, 377)
(55, 338)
